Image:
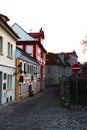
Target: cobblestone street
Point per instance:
(41, 112)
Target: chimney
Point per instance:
(42, 33)
(5, 18)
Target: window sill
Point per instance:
(1, 54)
(10, 57)
(10, 89)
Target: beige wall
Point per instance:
(4, 60)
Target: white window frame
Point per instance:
(10, 50)
(9, 81)
(29, 49)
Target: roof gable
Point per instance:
(22, 33)
(53, 59)
(68, 54)
(8, 29)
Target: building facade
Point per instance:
(8, 40)
(32, 43)
(54, 69)
(26, 78)
(58, 65)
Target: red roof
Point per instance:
(67, 54)
(32, 42)
(37, 35)
(53, 59)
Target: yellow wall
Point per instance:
(24, 95)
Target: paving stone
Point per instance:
(41, 112)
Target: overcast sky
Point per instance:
(64, 21)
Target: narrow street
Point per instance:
(41, 112)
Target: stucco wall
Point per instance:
(4, 60)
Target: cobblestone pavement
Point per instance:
(41, 112)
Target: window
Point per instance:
(49, 70)
(4, 86)
(25, 64)
(21, 79)
(9, 81)
(39, 54)
(39, 51)
(10, 50)
(21, 67)
(27, 87)
(20, 90)
(38, 69)
(29, 50)
(34, 69)
(4, 75)
(28, 68)
(24, 88)
(1, 45)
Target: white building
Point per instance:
(58, 65)
(8, 40)
(54, 69)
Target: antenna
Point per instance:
(30, 29)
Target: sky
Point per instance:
(64, 22)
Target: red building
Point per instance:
(32, 43)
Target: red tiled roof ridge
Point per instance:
(37, 34)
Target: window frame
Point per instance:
(9, 81)
(10, 50)
(1, 46)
